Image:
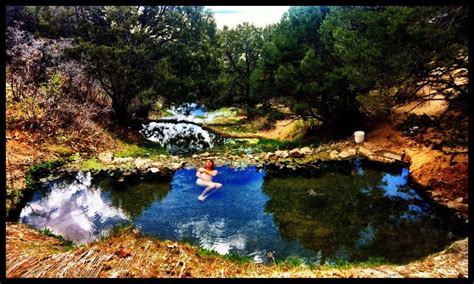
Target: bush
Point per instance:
(275, 115)
(375, 104)
(68, 244)
(40, 170)
(46, 91)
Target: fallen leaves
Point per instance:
(123, 252)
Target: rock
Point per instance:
(123, 252)
(346, 153)
(176, 166)
(380, 159)
(269, 155)
(306, 151)
(282, 154)
(334, 155)
(459, 199)
(457, 206)
(156, 164)
(392, 156)
(106, 157)
(154, 170)
(296, 153)
(142, 164)
(365, 152)
(422, 274)
(122, 160)
(205, 154)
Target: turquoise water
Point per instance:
(350, 213)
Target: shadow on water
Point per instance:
(346, 211)
(359, 214)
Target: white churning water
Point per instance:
(181, 135)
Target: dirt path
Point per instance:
(287, 129)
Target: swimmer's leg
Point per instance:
(201, 182)
(202, 196)
(212, 185)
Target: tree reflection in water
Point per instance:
(356, 215)
(135, 196)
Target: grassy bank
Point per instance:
(126, 253)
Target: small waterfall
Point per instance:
(180, 137)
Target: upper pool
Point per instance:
(350, 213)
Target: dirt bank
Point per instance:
(443, 176)
(127, 254)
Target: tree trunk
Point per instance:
(120, 112)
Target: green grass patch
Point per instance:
(340, 264)
(290, 262)
(271, 145)
(371, 262)
(41, 170)
(118, 230)
(60, 149)
(241, 259)
(166, 113)
(67, 244)
(13, 196)
(92, 164)
(241, 126)
(148, 150)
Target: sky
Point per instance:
(258, 15)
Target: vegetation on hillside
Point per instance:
(326, 62)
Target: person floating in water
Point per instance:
(205, 176)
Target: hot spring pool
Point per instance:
(351, 214)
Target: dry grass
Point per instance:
(31, 254)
